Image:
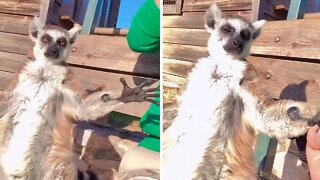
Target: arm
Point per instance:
(98, 103)
(144, 33)
(277, 118)
(313, 152)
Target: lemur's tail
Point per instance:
(88, 175)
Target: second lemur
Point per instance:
(40, 105)
(224, 106)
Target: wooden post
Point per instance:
(266, 147)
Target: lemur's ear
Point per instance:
(212, 17)
(73, 33)
(34, 28)
(257, 28)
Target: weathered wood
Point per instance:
(112, 52)
(255, 10)
(280, 82)
(202, 5)
(17, 24)
(110, 31)
(90, 79)
(195, 20)
(289, 39)
(173, 7)
(173, 79)
(311, 16)
(279, 38)
(45, 14)
(15, 43)
(184, 52)
(176, 67)
(11, 62)
(195, 37)
(22, 7)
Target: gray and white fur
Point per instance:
(224, 106)
(40, 105)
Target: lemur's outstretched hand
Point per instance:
(140, 93)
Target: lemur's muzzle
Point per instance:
(52, 51)
(235, 44)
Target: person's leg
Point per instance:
(140, 163)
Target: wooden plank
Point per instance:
(203, 5)
(174, 79)
(90, 79)
(277, 75)
(289, 39)
(15, 43)
(110, 31)
(112, 52)
(46, 11)
(11, 62)
(255, 10)
(22, 7)
(311, 16)
(176, 67)
(278, 38)
(184, 52)
(195, 20)
(195, 37)
(17, 24)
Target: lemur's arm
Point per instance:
(98, 103)
(276, 116)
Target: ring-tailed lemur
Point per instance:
(40, 105)
(223, 107)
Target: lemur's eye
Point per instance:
(245, 34)
(228, 29)
(62, 42)
(45, 39)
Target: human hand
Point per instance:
(313, 152)
(157, 3)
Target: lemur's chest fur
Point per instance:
(209, 84)
(35, 96)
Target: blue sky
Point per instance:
(128, 9)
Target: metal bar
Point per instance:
(93, 10)
(297, 9)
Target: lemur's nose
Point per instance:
(54, 50)
(237, 43)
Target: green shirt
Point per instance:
(144, 36)
(144, 33)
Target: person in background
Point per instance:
(143, 162)
(313, 152)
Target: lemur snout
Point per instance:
(235, 44)
(53, 51)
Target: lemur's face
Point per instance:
(52, 42)
(234, 34)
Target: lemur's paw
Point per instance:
(140, 93)
(313, 118)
